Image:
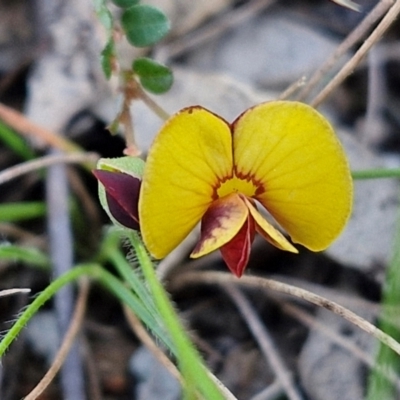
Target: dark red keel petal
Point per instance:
(236, 253)
(122, 194)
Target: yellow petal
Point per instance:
(293, 152)
(268, 232)
(220, 224)
(190, 154)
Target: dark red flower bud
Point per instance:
(122, 195)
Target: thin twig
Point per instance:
(252, 281)
(45, 161)
(92, 375)
(68, 341)
(349, 67)
(292, 88)
(217, 28)
(357, 34)
(348, 299)
(156, 108)
(271, 392)
(88, 203)
(145, 338)
(23, 125)
(177, 256)
(10, 292)
(349, 4)
(310, 321)
(374, 125)
(262, 336)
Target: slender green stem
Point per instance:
(125, 295)
(192, 367)
(106, 279)
(377, 173)
(126, 270)
(49, 292)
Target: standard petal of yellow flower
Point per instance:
(190, 154)
(220, 224)
(293, 152)
(268, 232)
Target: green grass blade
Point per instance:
(26, 255)
(194, 372)
(376, 173)
(14, 212)
(15, 142)
(41, 299)
(387, 362)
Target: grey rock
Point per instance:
(43, 335)
(153, 380)
(273, 50)
(328, 371)
(67, 78)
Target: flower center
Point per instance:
(236, 185)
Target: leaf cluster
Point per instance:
(143, 26)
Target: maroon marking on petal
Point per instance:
(219, 184)
(250, 178)
(211, 221)
(236, 253)
(122, 194)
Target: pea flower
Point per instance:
(282, 156)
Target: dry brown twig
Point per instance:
(349, 67)
(312, 323)
(23, 125)
(142, 334)
(45, 161)
(215, 29)
(137, 327)
(263, 338)
(357, 34)
(69, 338)
(252, 281)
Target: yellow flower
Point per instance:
(282, 155)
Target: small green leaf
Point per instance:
(104, 15)
(154, 77)
(133, 166)
(144, 25)
(125, 3)
(107, 56)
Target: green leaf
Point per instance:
(125, 3)
(12, 212)
(107, 56)
(154, 77)
(144, 25)
(15, 142)
(104, 15)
